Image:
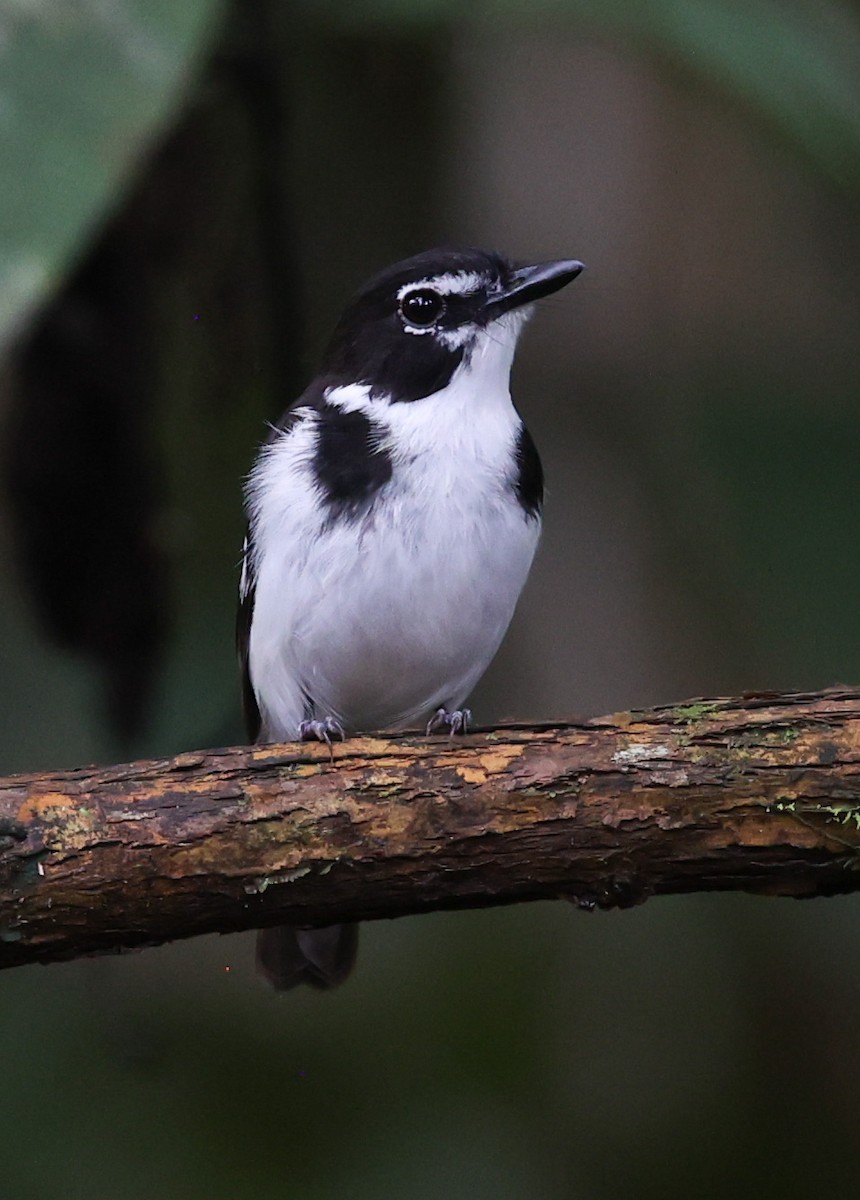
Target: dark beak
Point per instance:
(526, 284)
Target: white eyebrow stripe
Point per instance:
(455, 283)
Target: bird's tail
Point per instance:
(321, 957)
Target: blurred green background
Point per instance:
(188, 193)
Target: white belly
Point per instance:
(389, 618)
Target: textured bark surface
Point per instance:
(760, 794)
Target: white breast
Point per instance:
(381, 619)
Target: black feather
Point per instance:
(528, 480)
(349, 464)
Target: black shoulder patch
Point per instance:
(349, 464)
(244, 616)
(528, 477)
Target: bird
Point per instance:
(392, 517)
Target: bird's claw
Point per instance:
(328, 730)
(454, 723)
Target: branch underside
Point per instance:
(760, 794)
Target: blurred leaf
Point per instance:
(794, 65)
(83, 86)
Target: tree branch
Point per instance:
(760, 794)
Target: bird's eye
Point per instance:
(422, 308)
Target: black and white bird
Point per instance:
(393, 515)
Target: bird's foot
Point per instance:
(450, 722)
(328, 730)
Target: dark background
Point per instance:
(188, 193)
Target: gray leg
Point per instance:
(328, 730)
(450, 722)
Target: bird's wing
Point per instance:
(244, 616)
(247, 581)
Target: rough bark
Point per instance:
(760, 794)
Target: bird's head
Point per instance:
(409, 329)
